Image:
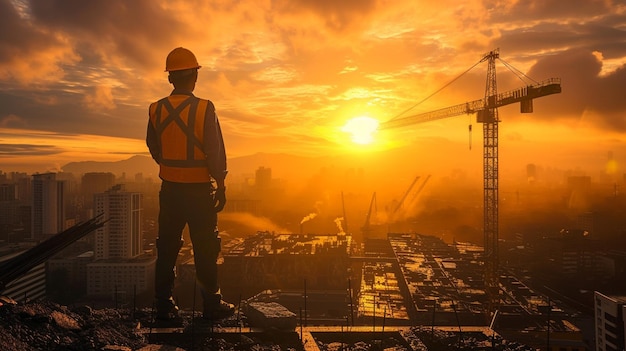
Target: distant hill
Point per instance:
(283, 164)
(130, 167)
(394, 165)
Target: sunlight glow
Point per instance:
(362, 129)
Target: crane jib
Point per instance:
(523, 95)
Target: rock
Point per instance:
(152, 347)
(116, 348)
(5, 300)
(271, 315)
(84, 310)
(64, 321)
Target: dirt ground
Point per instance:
(50, 326)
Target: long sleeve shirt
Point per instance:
(213, 142)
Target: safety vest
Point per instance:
(179, 124)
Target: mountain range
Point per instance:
(286, 165)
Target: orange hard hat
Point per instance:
(180, 59)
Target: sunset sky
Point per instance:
(76, 77)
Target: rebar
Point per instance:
(17, 266)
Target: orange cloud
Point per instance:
(102, 98)
(285, 76)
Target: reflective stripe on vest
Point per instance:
(180, 134)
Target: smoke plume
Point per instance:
(308, 218)
(339, 226)
(252, 222)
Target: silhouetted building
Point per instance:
(609, 322)
(120, 278)
(531, 172)
(579, 188)
(24, 186)
(286, 261)
(67, 274)
(119, 269)
(8, 192)
(615, 261)
(9, 210)
(48, 206)
(263, 178)
(573, 254)
(120, 237)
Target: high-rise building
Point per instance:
(9, 207)
(609, 321)
(8, 192)
(119, 269)
(531, 171)
(48, 206)
(121, 278)
(263, 178)
(120, 237)
(24, 186)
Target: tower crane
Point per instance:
(406, 193)
(486, 110)
(405, 200)
(367, 226)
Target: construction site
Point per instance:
(393, 282)
(388, 291)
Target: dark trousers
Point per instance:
(187, 204)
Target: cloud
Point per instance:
(549, 10)
(102, 98)
(113, 30)
(584, 89)
(337, 15)
(68, 114)
(20, 150)
(11, 121)
(285, 75)
(29, 53)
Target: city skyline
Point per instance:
(76, 79)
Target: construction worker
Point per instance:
(185, 139)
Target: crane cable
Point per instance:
(514, 70)
(517, 72)
(437, 91)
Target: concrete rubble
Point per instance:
(270, 315)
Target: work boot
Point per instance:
(166, 310)
(217, 311)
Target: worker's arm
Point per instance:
(153, 142)
(216, 155)
(214, 146)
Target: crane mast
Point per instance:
(486, 110)
(489, 118)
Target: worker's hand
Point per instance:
(219, 199)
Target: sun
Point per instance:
(362, 129)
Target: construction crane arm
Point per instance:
(523, 95)
(366, 226)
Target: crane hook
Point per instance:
(470, 136)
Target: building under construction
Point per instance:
(405, 279)
(269, 261)
(402, 279)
